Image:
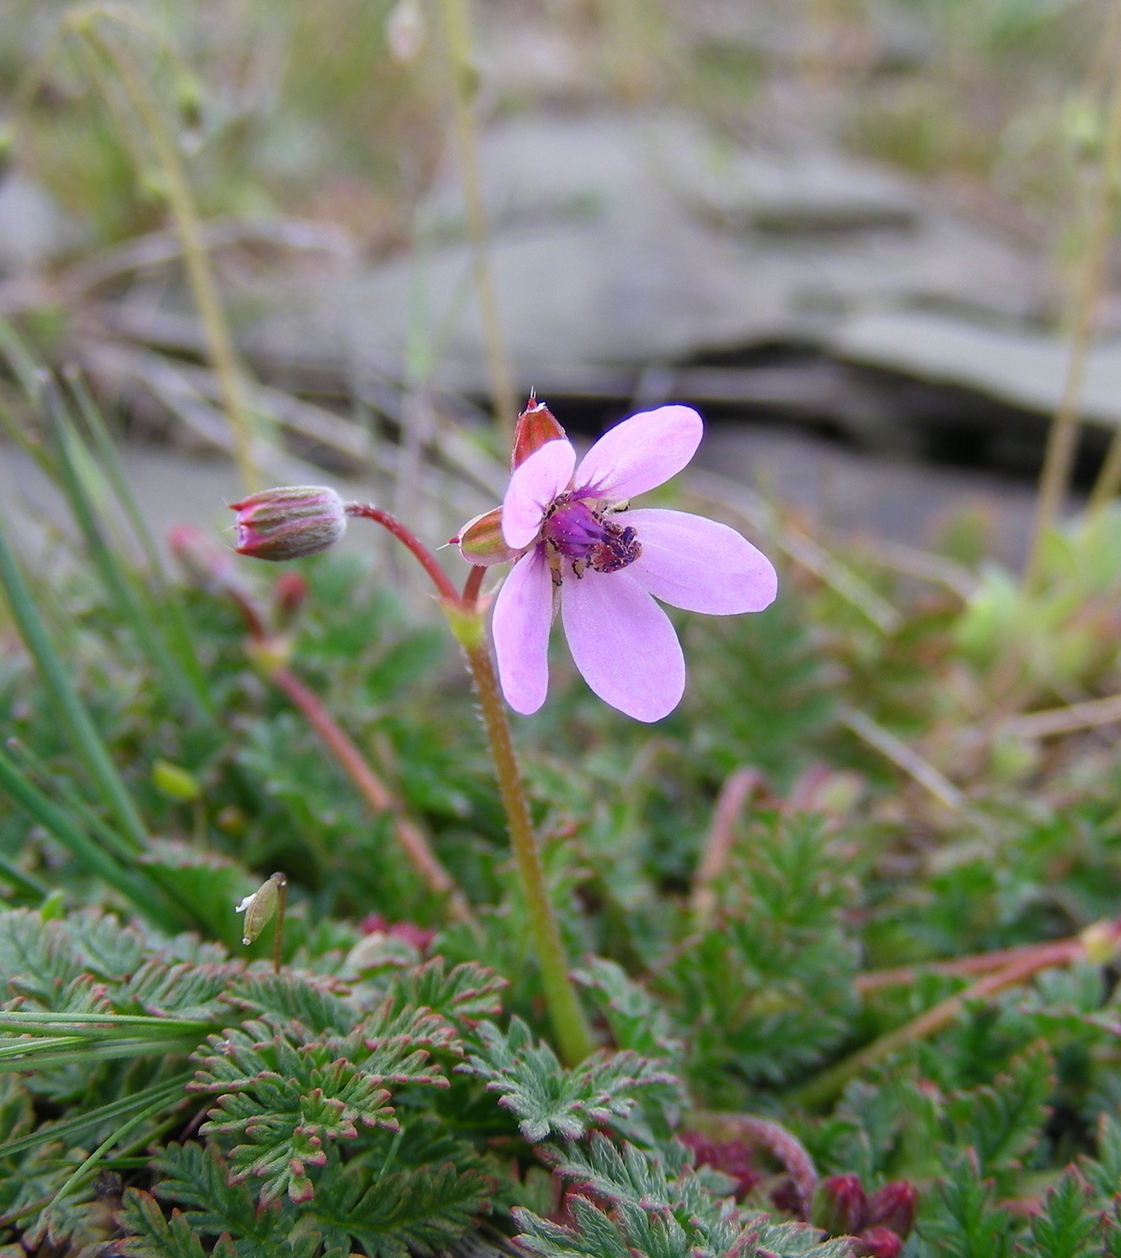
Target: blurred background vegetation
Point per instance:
(340, 113)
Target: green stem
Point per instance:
(466, 620)
(278, 935)
(463, 90)
(573, 1036)
(199, 275)
(1062, 440)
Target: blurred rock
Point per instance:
(621, 240)
(1023, 367)
(34, 229)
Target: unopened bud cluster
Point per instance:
(879, 1223)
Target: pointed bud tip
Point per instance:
(536, 426)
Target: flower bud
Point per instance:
(536, 425)
(878, 1242)
(840, 1205)
(730, 1157)
(1101, 942)
(481, 543)
(893, 1206)
(289, 522)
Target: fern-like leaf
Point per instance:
(551, 1101)
(287, 1094)
(636, 1019)
(413, 1211)
(1066, 1227)
(150, 1235)
(966, 1224)
(1002, 1122)
(464, 994)
(290, 997)
(627, 1202)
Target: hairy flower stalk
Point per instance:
(311, 519)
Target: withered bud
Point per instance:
(260, 907)
(206, 563)
(289, 522)
(289, 595)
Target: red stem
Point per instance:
(423, 555)
(980, 963)
(473, 584)
(371, 788)
(734, 794)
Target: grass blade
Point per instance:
(25, 883)
(87, 1168)
(159, 1094)
(62, 792)
(70, 710)
(117, 581)
(133, 886)
(171, 612)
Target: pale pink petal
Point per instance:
(640, 453)
(533, 485)
(523, 613)
(688, 561)
(623, 644)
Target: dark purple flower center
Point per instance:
(583, 533)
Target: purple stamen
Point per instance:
(573, 527)
(580, 533)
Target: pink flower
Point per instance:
(575, 546)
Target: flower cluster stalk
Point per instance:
(465, 615)
(373, 790)
(268, 653)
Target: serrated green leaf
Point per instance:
(150, 1235)
(1066, 1227)
(416, 1211)
(964, 1222)
(1002, 1122)
(548, 1100)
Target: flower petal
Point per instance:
(623, 644)
(640, 453)
(523, 613)
(533, 486)
(688, 561)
